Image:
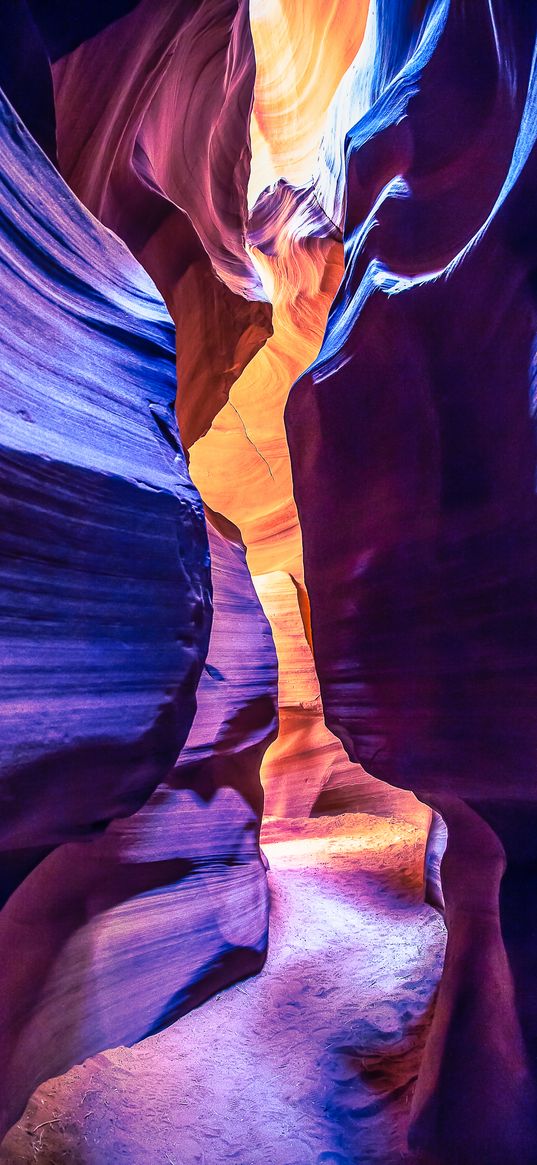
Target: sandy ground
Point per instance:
(311, 1062)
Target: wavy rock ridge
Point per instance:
(380, 293)
(119, 926)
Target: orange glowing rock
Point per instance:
(302, 49)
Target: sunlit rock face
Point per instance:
(153, 135)
(303, 49)
(413, 451)
(242, 465)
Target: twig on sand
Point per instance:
(54, 1121)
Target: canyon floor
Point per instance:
(309, 1063)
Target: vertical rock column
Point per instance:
(413, 450)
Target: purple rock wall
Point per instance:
(413, 449)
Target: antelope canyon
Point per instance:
(268, 745)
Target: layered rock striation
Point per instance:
(131, 888)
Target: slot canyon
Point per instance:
(268, 718)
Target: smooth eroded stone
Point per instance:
(105, 576)
(153, 135)
(118, 937)
(413, 450)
